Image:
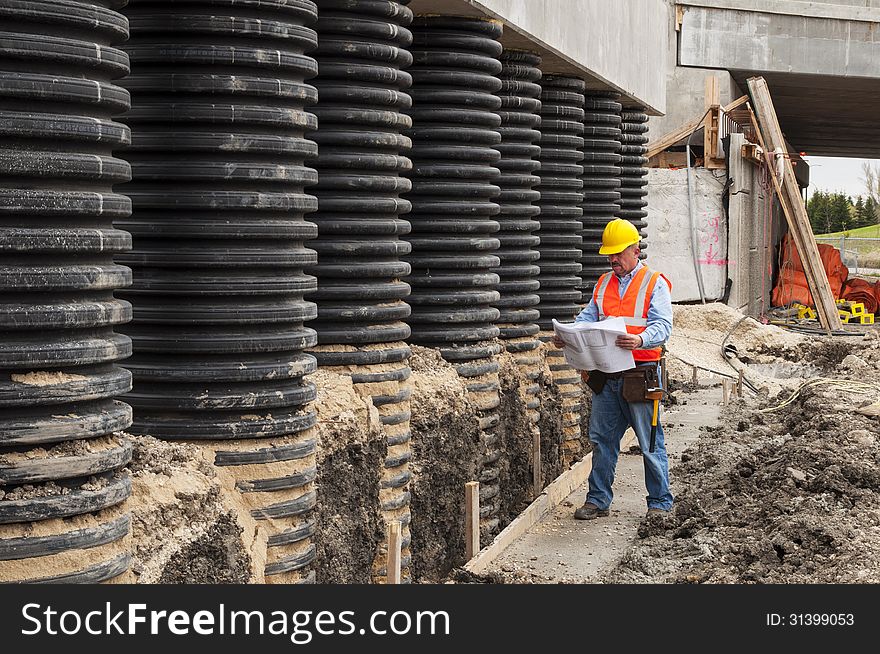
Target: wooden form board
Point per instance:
(394, 548)
(712, 125)
(472, 519)
(772, 141)
(670, 139)
(669, 160)
(556, 491)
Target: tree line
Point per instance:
(837, 212)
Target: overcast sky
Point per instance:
(838, 174)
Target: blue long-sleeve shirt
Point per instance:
(659, 311)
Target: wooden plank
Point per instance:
(395, 544)
(471, 519)
(671, 138)
(711, 100)
(712, 104)
(669, 160)
(752, 152)
(736, 104)
(771, 138)
(537, 482)
(556, 491)
(795, 212)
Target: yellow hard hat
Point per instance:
(619, 234)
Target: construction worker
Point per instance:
(643, 298)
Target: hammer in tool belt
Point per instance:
(654, 392)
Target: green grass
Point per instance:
(868, 252)
(871, 231)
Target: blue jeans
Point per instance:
(609, 418)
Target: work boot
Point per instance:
(656, 511)
(589, 511)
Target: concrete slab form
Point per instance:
(619, 48)
(821, 61)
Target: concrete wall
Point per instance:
(685, 87)
(864, 10)
(770, 42)
(738, 243)
(669, 232)
(618, 44)
(751, 246)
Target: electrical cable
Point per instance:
(860, 388)
(690, 193)
(729, 351)
(712, 370)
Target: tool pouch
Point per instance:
(596, 381)
(635, 385)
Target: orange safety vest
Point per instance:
(632, 307)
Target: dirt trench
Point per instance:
(190, 526)
(783, 488)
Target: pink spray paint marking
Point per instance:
(711, 238)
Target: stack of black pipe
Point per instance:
(562, 142)
(520, 132)
(455, 134)
(633, 171)
(601, 178)
(361, 293)
(218, 148)
(561, 188)
(62, 490)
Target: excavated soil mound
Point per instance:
(446, 453)
(778, 495)
(185, 528)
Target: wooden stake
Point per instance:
(536, 464)
(739, 385)
(394, 546)
(472, 519)
(725, 385)
(694, 378)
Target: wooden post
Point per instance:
(394, 547)
(712, 124)
(694, 377)
(739, 385)
(536, 464)
(770, 138)
(725, 385)
(472, 519)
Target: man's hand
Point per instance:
(557, 342)
(629, 342)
